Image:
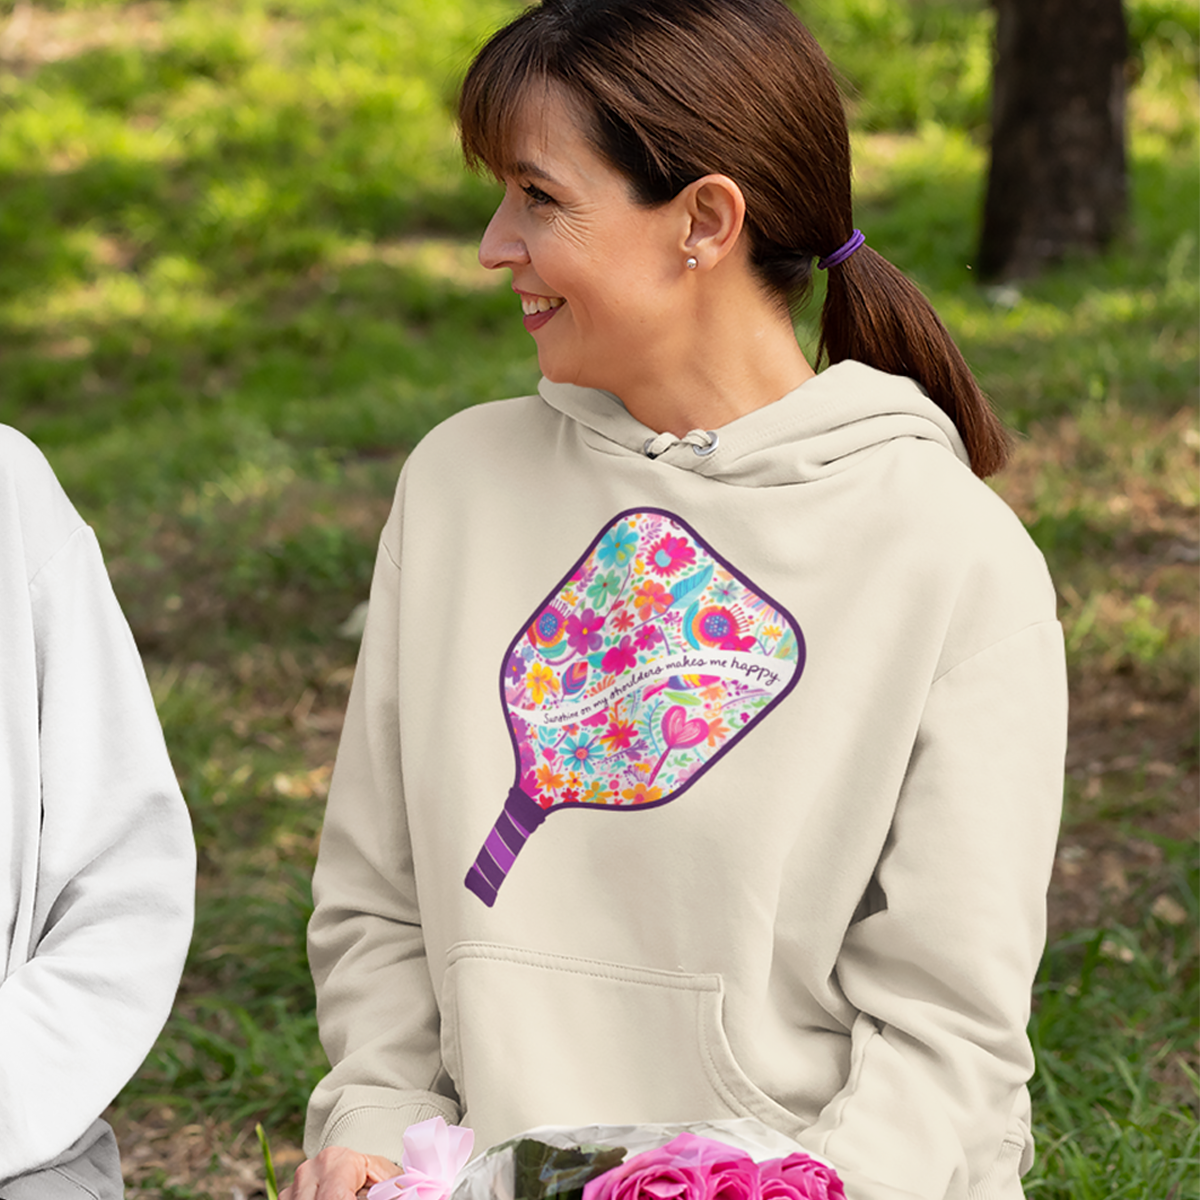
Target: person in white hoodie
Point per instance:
(96, 847)
(704, 756)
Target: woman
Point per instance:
(785, 674)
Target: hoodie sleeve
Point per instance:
(376, 1007)
(942, 973)
(103, 861)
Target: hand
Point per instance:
(337, 1174)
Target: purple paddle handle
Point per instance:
(520, 816)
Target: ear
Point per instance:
(715, 210)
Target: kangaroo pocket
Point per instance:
(533, 1039)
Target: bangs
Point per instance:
(510, 72)
(607, 59)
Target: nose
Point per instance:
(501, 245)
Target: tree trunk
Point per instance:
(1057, 180)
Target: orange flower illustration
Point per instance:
(641, 794)
(549, 778)
(651, 598)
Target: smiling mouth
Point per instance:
(537, 310)
(532, 305)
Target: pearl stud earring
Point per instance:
(692, 264)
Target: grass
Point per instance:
(1115, 1113)
(237, 283)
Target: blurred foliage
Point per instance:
(217, 215)
(238, 282)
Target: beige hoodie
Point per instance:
(721, 783)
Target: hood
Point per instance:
(814, 431)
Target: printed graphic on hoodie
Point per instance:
(649, 661)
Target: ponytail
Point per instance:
(874, 314)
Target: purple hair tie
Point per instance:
(842, 252)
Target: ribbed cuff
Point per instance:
(378, 1128)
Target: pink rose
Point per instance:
(799, 1177)
(687, 1168)
(735, 1178)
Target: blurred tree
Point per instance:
(1058, 174)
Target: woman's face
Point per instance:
(594, 270)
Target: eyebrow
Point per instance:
(521, 167)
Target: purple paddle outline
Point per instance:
(521, 813)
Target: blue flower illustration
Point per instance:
(617, 546)
(725, 591)
(580, 753)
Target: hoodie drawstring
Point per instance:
(702, 442)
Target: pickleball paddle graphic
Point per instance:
(649, 661)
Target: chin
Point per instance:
(560, 374)
(579, 376)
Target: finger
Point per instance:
(379, 1168)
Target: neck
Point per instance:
(732, 351)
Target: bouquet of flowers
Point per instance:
(709, 1160)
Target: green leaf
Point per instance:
(540, 1170)
(268, 1165)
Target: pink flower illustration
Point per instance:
(646, 637)
(619, 735)
(620, 658)
(533, 789)
(670, 555)
(583, 631)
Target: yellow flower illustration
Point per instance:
(541, 682)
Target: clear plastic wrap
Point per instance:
(510, 1171)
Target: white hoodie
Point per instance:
(97, 862)
(792, 708)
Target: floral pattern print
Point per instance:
(652, 657)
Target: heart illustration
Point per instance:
(679, 734)
(650, 659)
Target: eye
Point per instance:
(536, 195)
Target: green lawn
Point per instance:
(237, 283)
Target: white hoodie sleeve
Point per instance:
(96, 840)
(941, 973)
(376, 1006)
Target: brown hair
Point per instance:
(676, 89)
